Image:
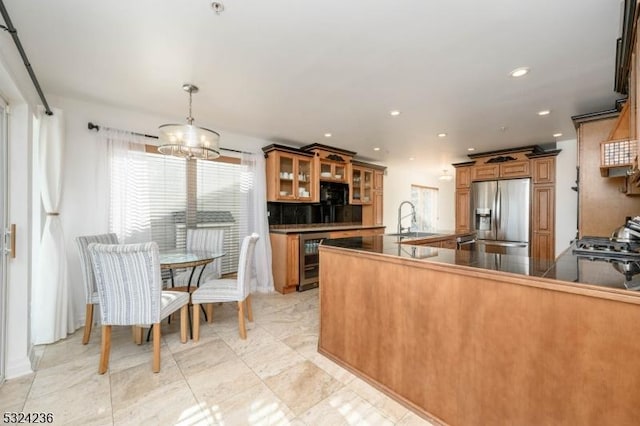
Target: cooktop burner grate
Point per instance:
(604, 248)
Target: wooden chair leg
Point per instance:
(196, 321)
(249, 311)
(156, 347)
(209, 309)
(243, 330)
(184, 313)
(106, 349)
(88, 323)
(137, 333)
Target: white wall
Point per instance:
(84, 203)
(397, 188)
(566, 198)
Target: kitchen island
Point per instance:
(466, 337)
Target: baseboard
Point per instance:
(18, 368)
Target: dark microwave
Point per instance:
(336, 194)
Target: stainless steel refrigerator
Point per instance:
(500, 215)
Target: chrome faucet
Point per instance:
(412, 214)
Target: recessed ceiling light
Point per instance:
(503, 128)
(327, 135)
(394, 113)
(376, 149)
(442, 135)
(217, 7)
(411, 158)
(544, 112)
(519, 72)
(557, 135)
(471, 149)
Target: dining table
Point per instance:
(183, 259)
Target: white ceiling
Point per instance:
(290, 71)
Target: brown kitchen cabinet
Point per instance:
(372, 213)
(290, 177)
(368, 232)
(514, 169)
(544, 170)
(485, 172)
(463, 210)
(463, 177)
(361, 185)
(285, 256)
(449, 244)
(378, 180)
(543, 222)
(333, 171)
(378, 208)
(506, 170)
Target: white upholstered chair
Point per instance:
(206, 239)
(90, 291)
(130, 292)
(228, 290)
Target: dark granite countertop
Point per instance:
(318, 227)
(568, 267)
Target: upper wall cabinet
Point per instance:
(291, 176)
(361, 185)
(463, 177)
(333, 164)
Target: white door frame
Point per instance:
(4, 209)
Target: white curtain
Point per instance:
(129, 215)
(52, 307)
(255, 184)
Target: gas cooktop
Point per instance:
(604, 248)
(624, 256)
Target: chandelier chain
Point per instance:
(190, 117)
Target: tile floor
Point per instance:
(276, 376)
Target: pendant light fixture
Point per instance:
(187, 140)
(445, 176)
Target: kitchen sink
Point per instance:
(413, 234)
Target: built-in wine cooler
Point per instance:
(310, 260)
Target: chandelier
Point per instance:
(187, 140)
(445, 176)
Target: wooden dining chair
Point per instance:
(88, 279)
(130, 292)
(229, 290)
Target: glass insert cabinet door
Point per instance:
(361, 186)
(332, 171)
(310, 259)
(294, 178)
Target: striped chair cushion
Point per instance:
(88, 279)
(217, 291)
(231, 290)
(128, 282)
(172, 301)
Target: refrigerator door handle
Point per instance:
(505, 244)
(498, 201)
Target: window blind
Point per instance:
(166, 195)
(167, 189)
(221, 201)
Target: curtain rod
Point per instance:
(96, 127)
(14, 34)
